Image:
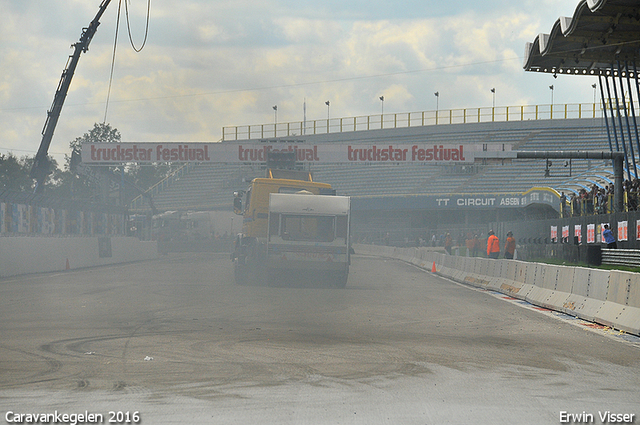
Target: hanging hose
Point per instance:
(146, 31)
(115, 43)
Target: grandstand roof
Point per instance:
(599, 33)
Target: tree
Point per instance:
(82, 186)
(78, 185)
(53, 178)
(14, 172)
(100, 133)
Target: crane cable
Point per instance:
(115, 44)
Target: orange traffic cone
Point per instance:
(433, 268)
(66, 267)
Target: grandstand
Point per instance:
(210, 186)
(409, 200)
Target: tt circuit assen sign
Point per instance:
(536, 195)
(532, 196)
(237, 152)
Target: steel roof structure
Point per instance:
(599, 34)
(602, 39)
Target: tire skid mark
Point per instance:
(73, 348)
(76, 347)
(53, 366)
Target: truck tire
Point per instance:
(253, 272)
(241, 272)
(340, 280)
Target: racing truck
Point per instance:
(292, 227)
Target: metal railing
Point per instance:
(415, 119)
(138, 202)
(621, 257)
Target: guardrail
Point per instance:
(415, 119)
(621, 257)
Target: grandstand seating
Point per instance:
(211, 186)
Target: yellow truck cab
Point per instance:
(255, 205)
(250, 256)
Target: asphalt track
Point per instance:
(176, 341)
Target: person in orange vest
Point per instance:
(470, 244)
(493, 245)
(509, 246)
(448, 242)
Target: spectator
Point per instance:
(493, 245)
(469, 242)
(447, 243)
(602, 201)
(609, 239)
(632, 192)
(509, 246)
(576, 205)
(476, 245)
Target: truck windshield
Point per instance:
(307, 228)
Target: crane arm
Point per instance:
(40, 169)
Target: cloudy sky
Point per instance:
(209, 64)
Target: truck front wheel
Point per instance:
(340, 280)
(241, 272)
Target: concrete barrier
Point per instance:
(543, 287)
(456, 266)
(483, 272)
(423, 260)
(514, 287)
(562, 290)
(497, 274)
(579, 290)
(468, 265)
(477, 275)
(469, 271)
(611, 298)
(23, 255)
(622, 307)
(459, 268)
(629, 318)
(412, 254)
(452, 262)
(617, 298)
(582, 301)
(491, 273)
(507, 276)
(534, 271)
(447, 266)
